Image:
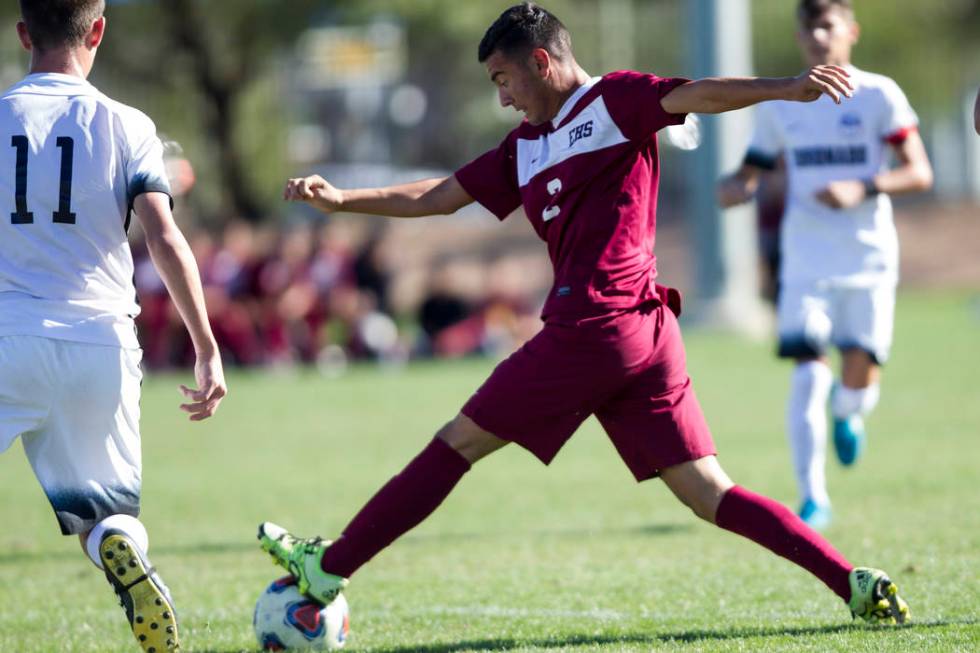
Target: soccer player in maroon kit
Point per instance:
(584, 166)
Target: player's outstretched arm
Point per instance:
(720, 94)
(174, 261)
(440, 196)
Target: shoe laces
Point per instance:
(310, 545)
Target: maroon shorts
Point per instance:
(629, 370)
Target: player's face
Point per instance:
(828, 38)
(519, 85)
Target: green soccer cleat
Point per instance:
(874, 597)
(301, 558)
(147, 601)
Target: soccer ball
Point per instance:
(286, 620)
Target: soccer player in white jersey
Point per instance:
(74, 165)
(840, 250)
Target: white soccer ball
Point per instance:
(285, 620)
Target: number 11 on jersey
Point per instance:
(64, 214)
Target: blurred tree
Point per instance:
(210, 58)
(214, 74)
(443, 35)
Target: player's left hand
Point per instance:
(832, 81)
(842, 194)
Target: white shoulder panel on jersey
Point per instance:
(591, 130)
(897, 115)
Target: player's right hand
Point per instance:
(211, 388)
(315, 191)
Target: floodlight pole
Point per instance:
(726, 273)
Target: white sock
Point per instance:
(131, 526)
(855, 401)
(806, 425)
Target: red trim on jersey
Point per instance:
(900, 136)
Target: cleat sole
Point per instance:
(147, 608)
(896, 606)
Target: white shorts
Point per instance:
(76, 408)
(813, 317)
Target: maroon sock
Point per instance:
(399, 506)
(775, 527)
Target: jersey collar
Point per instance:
(571, 101)
(51, 82)
(59, 78)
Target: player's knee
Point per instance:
(699, 484)
(472, 442)
(700, 506)
(706, 501)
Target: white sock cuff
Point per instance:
(129, 525)
(855, 401)
(814, 373)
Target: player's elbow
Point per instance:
(725, 198)
(440, 201)
(443, 208)
(924, 178)
(732, 191)
(166, 244)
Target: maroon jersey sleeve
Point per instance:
(491, 179)
(633, 100)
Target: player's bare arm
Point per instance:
(174, 261)
(438, 196)
(913, 174)
(720, 94)
(739, 187)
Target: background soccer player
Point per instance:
(839, 246)
(74, 164)
(584, 166)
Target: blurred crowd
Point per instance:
(331, 293)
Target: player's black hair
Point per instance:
(523, 28)
(812, 9)
(56, 23)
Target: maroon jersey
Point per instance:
(588, 182)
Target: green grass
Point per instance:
(575, 557)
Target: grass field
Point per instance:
(575, 557)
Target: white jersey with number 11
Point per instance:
(71, 162)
